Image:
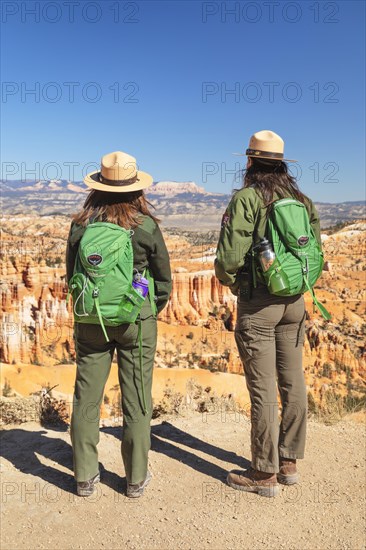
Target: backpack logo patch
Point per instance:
(303, 240)
(94, 259)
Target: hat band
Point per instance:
(256, 152)
(117, 183)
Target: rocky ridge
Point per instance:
(180, 204)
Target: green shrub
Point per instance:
(7, 389)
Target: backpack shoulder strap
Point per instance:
(148, 224)
(76, 233)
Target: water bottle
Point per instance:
(277, 280)
(140, 284)
(266, 255)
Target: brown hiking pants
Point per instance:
(269, 334)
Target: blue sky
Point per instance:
(293, 67)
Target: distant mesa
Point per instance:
(172, 188)
(178, 204)
(24, 186)
(165, 188)
(77, 188)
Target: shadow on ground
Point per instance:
(165, 434)
(21, 447)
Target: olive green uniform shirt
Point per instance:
(243, 224)
(149, 251)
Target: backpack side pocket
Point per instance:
(276, 279)
(130, 306)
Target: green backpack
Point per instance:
(299, 258)
(101, 285)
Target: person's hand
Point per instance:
(235, 288)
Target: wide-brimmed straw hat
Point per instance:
(118, 174)
(266, 145)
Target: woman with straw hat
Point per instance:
(117, 199)
(270, 328)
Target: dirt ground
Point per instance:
(187, 505)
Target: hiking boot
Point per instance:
(288, 473)
(253, 481)
(136, 490)
(86, 488)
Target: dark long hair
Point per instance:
(270, 177)
(124, 209)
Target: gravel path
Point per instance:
(187, 505)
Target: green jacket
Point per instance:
(244, 223)
(149, 250)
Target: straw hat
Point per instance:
(267, 145)
(118, 174)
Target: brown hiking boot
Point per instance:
(288, 474)
(253, 481)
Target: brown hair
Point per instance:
(270, 177)
(124, 209)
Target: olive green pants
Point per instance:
(94, 358)
(269, 334)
